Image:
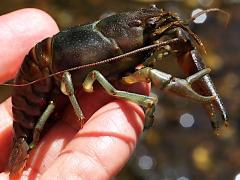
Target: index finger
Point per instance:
(20, 31)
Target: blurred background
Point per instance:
(181, 145)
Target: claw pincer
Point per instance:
(191, 62)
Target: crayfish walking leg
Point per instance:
(68, 89)
(163, 80)
(40, 124)
(145, 101)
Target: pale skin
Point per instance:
(107, 140)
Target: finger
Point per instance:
(103, 146)
(55, 140)
(20, 31)
(4, 176)
(5, 134)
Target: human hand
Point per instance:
(107, 140)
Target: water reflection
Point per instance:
(186, 120)
(237, 177)
(200, 19)
(145, 162)
(182, 178)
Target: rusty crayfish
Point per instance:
(81, 55)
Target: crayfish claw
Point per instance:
(192, 63)
(213, 111)
(182, 87)
(198, 75)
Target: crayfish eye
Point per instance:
(135, 23)
(151, 23)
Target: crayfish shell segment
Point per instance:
(18, 158)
